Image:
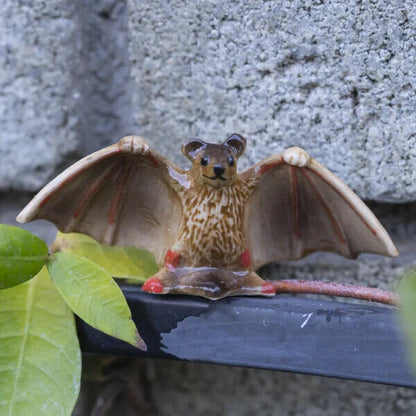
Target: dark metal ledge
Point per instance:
(352, 341)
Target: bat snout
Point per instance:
(219, 170)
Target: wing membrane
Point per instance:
(116, 197)
(295, 211)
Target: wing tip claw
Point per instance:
(134, 144)
(393, 251)
(295, 156)
(23, 217)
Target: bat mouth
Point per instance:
(213, 178)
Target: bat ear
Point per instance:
(191, 148)
(237, 143)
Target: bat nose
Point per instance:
(219, 170)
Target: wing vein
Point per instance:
(352, 206)
(334, 221)
(82, 166)
(89, 194)
(294, 198)
(117, 203)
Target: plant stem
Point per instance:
(336, 289)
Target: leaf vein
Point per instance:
(29, 302)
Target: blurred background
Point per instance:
(337, 78)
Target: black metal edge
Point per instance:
(285, 333)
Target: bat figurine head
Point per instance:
(210, 227)
(215, 164)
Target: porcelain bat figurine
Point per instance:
(210, 228)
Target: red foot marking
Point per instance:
(172, 259)
(245, 259)
(153, 285)
(268, 287)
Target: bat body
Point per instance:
(209, 227)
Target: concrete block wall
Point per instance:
(335, 77)
(40, 48)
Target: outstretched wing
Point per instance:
(298, 206)
(120, 195)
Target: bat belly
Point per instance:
(212, 233)
(212, 243)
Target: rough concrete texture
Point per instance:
(39, 51)
(106, 113)
(182, 389)
(198, 389)
(63, 82)
(334, 77)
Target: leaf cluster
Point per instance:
(40, 358)
(407, 289)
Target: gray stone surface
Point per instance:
(334, 77)
(188, 389)
(64, 73)
(184, 389)
(39, 58)
(106, 114)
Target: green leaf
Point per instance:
(22, 255)
(407, 290)
(94, 296)
(126, 262)
(40, 359)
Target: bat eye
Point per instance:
(230, 161)
(204, 161)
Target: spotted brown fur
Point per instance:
(212, 232)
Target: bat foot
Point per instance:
(296, 156)
(208, 282)
(153, 285)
